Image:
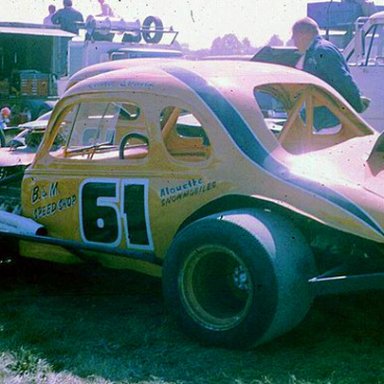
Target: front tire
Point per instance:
(238, 279)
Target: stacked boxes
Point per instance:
(34, 84)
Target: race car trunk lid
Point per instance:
(374, 180)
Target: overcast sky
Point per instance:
(198, 21)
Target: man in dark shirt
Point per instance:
(324, 60)
(68, 17)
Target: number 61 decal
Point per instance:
(112, 208)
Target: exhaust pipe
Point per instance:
(12, 223)
(22, 228)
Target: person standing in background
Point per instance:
(48, 19)
(106, 10)
(324, 60)
(68, 18)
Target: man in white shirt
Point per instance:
(48, 19)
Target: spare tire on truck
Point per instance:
(152, 30)
(238, 278)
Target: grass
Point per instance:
(88, 325)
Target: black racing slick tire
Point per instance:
(150, 35)
(238, 279)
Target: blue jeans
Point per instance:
(322, 118)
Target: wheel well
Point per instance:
(232, 202)
(330, 246)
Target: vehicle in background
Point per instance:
(27, 130)
(365, 57)
(116, 39)
(136, 53)
(21, 147)
(31, 80)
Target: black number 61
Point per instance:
(113, 208)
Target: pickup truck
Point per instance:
(365, 57)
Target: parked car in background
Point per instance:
(21, 147)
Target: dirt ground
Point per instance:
(91, 325)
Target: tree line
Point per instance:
(229, 44)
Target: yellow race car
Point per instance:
(177, 169)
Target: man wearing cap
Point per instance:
(324, 60)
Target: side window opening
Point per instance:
(323, 121)
(313, 119)
(97, 130)
(184, 136)
(272, 108)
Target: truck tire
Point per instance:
(154, 36)
(238, 279)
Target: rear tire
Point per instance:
(238, 279)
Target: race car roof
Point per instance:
(237, 74)
(96, 69)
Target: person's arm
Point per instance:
(334, 71)
(56, 18)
